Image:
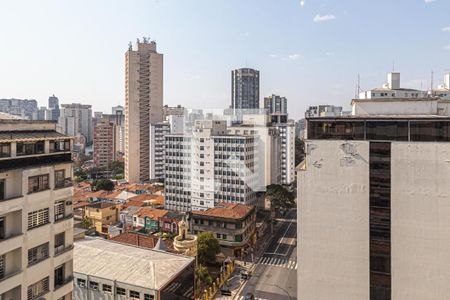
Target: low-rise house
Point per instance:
(149, 218)
(169, 222)
(102, 214)
(142, 240)
(107, 270)
(232, 224)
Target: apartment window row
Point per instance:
(60, 145)
(38, 289)
(38, 218)
(107, 288)
(38, 183)
(30, 148)
(38, 254)
(2, 266)
(5, 150)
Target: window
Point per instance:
(59, 242)
(2, 266)
(120, 291)
(93, 285)
(5, 150)
(59, 178)
(59, 276)
(2, 189)
(30, 148)
(37, 183)
(107, 288)
(38, 218)
(59, 210)
(224, 236)
(37, 254)
(81, 282)
(134, 295)
(148, 297)
(38, 289)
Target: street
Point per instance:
(275, 274)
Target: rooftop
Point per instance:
(227, 211)
(101, 204)
(152, 213)
(127, 264)
(141, 240)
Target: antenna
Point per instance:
(432, 80)
(393, 65)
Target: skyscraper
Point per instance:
(275, 104)
(53, 106)
(245, 89)
(76, 119)
(143, 106)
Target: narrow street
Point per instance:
(275, 274)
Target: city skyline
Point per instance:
(317, 40)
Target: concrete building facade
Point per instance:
(36, 215)
(157, 149)
(245, 89)
(275, 104)
(104, 144)
(143, 106)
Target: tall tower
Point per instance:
(143, 106)
(245, 89)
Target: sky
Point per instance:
(309, 51)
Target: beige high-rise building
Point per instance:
(36, 215)
(143, 106)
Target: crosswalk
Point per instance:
(278, 262)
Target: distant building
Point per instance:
(323, 111)
(443, 90)
(129, 272)
(157, 149)
(53, 106)
(173, 111)
(42, 113)
(36, 215)
(275, 104)
(119, 109)
(76, 119)
(232, 224)
(18, 107)
(104, 146)
(143, 106)
(245, 89)
(176, 124)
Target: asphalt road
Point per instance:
(275, 275)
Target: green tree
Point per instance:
(116, 167)
(86, 223)
(280, 197)
(299, 151)
(103, 184)
(203, 280)
(208, 247)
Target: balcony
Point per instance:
(11, 242)
(62, 289)
(59, 284)
(12, 203)
(67, 182)
(35, 161)
(10, 280)
(63, 249)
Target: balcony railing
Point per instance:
(61, 283)
(62, 217)
(67, 182)
(63, 249)
(10, 198)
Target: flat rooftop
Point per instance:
(127, 264)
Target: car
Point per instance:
(249, 296)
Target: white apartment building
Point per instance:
(76, 119)
(143, 106)
(373, 197)
(210, 166)
(287, 134)
(157, 133)
(36, 220)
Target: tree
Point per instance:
(280, 197)
(207, 247)
(103, 184)
(116, 167)
(299, 151)
(203, 280)
(86, 223)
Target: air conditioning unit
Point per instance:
(82, 284)
(68, 202)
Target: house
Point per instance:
(149, 218)
(102, 214)
(233, 224)
(141, 240)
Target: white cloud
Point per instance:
(447, 47)
(329, 53)
(294, 56)
(244, 34)
(273, 55)
(428, 1)
(324, 18)
(302, 3)
(446, 29)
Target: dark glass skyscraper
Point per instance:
(245, 89)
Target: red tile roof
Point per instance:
(136, 239)
(152, 213)
(227, 211)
